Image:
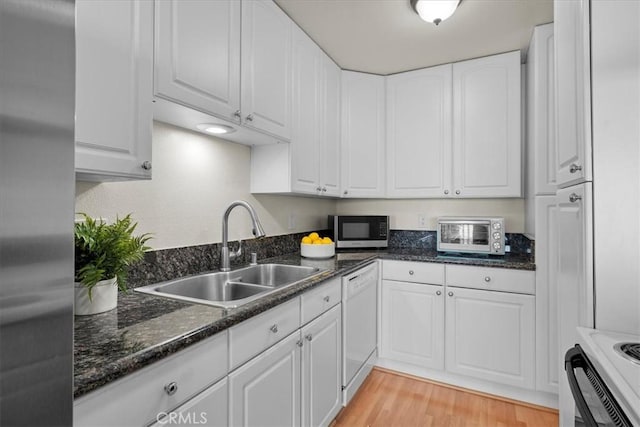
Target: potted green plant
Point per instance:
(103, 252)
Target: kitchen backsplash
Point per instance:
(167, 264)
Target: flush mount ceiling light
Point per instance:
(215, 128)
(435, 11)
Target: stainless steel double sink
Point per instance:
(230, 289)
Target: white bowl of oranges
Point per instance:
(314, 246)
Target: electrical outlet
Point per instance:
(422, 220)
(292, 221)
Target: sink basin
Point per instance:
(230, 289)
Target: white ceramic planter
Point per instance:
(104, 297)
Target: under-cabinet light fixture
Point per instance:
(435, 11)
(215, 128)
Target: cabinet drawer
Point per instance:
(317, 301)
(255, 335)
(417, 272)
(137, 399)
(494, 279)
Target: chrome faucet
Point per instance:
(258, 231)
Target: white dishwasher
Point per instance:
(359, 327)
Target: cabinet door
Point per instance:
(413, 323)
(573, 93)
(266, 68)
(210, 408)
(363, 115)
(419, 133)
(330, 129)
(547, 366)
(197, 54)
(114, 89)
(486, 132)
(266, 390)
(491, 335)
(541, 128)
(322, 369)
(305, 143)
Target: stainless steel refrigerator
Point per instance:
(37, 86)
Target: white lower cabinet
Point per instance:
(491, 335)
(209, 408)
(266, 390)
(413, 323)
(321, 369)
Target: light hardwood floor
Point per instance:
(390, 399)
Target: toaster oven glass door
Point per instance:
(465, 234)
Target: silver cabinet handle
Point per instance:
(438, 293)
(237, 115)
(318, 189)
(487, 279)
(345, 192)
(249, 118)
(308, 337)
(574, 198)
(574, 168)
(457, 191)
(171, 388)
(326, 299)
(299, 343)
(274, 329)
(450, 294)
(410, 272)
(446, 191)
(324, 189)
(146, 165)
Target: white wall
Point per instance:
(404, 213)
(195, 177)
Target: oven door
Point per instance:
(464, 236)
(595, 404)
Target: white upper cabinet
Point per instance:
(419, 126)
(266, 68)
(330, 130)
(573, 92)
(197, 54)
(363, 138)
(541, 123)
(310, 163)
(114, 90)
(225, 59)
(486, 132)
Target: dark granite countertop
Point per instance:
(144, 328)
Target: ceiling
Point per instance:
(387, 36)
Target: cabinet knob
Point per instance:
(308, 337)
(324, 189)
(345, 192)
(249, 118)
(410, 272)
(574, 168)
(274, 329)
(146, 165)
(326, 299)
(450, 294)
(299, 343)
(438, 293)
(237, 114)
(487, 279)
(318, 189)
(457, 191)
(171, 388)
(574, 198)
(446, 191)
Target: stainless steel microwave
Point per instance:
(359, 231)
(471, 235)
